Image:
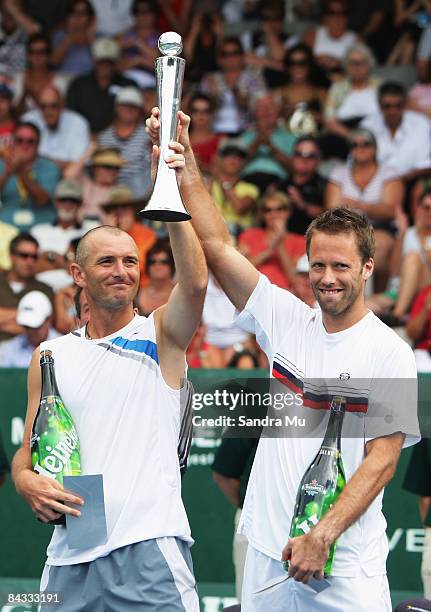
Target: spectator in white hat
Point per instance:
(54, 238)
(93, 94)
(129, 136)
(301, 282)
(35, 315)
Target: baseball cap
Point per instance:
(68, 189)
(420, 605)
(105, 49)
(129, 95)
(233, 147)
(302, 265)
(33, 309)
(107, 157)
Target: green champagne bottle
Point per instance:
(322, 482)
(54, 441)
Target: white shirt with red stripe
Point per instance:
(375, 364)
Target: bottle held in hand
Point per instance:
(322, 482)
(54, 441)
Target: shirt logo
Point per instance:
(344, 376)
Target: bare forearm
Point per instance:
(37, 193)
(229, 486)
(378, 210)
(416, 326)
(8, 322)
(206, 218)
(190, 266)
(424, 504)
(21, 462)
(366, 483)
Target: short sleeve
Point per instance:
(411, 242)
(272, 313)
(338, 175)
(393, 399)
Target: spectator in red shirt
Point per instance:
(7, 123)
(205, 143)
(271, 248)
(418, 329)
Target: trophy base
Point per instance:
(169, 216)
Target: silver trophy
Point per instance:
(166, 203)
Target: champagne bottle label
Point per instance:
(55, 450)
(322, 483)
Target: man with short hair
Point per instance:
(403, 136)
(64, 134)
(93, 95)
(305, 186)
(27, 180)
(338, 341)
(120, 376)
(235, 198)
(54, 238)
(35, 315)
(18, 281)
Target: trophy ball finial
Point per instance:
(170, 44)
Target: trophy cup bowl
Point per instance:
(165, 202)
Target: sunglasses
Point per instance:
(106, 166)
(164, 262)
(361, 144)
(306, 155)
(302, 62)
(82, 11)
(389, 105)
(266, 209)
(207, 111)
(49, 105)
(335, 13)
(230, 53)
(22, 141)
(38, 51)
(24, 255)
(357, 62)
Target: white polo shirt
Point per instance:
(66, 143)
(409, 149)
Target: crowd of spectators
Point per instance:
(296, 107)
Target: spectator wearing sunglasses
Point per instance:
(232, 87)
(331, 40)
(234, 197)
(305, 186)
(305, 82)
(72, 46)
(18, 281)
(205, 143)
(27, 180)
(271, 248)
(351, 99)
(373, 189)
(402, 136)
(160, 271)
(37, 75)
(64, 134)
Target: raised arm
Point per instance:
(44, 495)
(236, 275)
